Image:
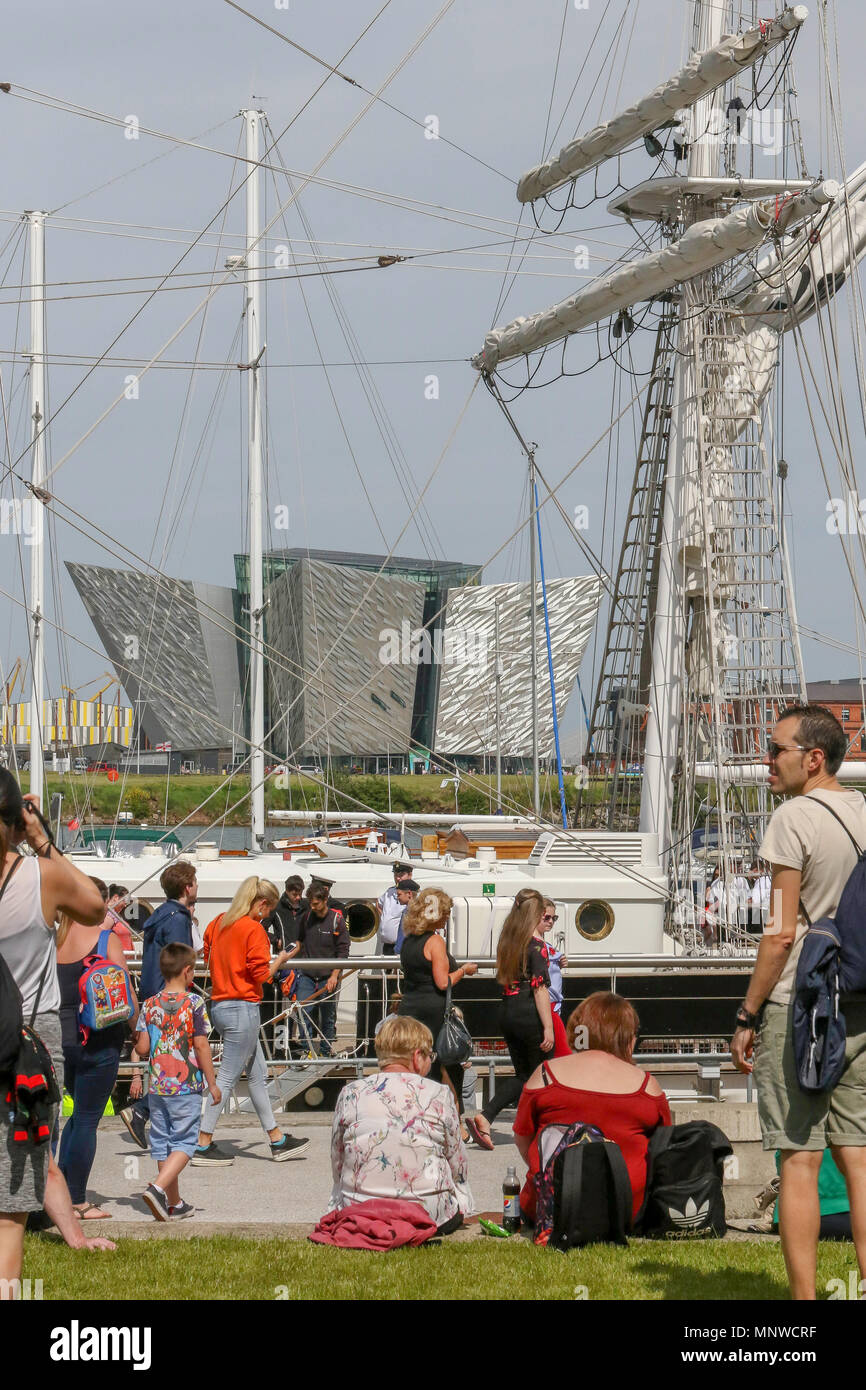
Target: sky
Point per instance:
(163, 473)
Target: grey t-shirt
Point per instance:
(803, 836)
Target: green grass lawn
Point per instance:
(227, 1267)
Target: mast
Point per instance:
(255, 351)
(497, 683)
(533, 638)
(36, 222)
(668, 661)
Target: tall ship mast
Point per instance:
(701, 647)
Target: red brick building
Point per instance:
(847, 700)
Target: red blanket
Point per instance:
(375, 1225)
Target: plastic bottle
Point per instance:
(511, 1201)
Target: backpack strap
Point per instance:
(16, 863)
(572, 1183)
(623, 1197)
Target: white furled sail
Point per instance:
(813, 267)
(704, 73)
(704, 246)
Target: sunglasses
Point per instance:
(550, 917)
(774, 749)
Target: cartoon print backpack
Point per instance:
(105, 989)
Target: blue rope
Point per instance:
(550, 667)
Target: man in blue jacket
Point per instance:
(172, 921)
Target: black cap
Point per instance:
(402, 868)
(324, 882)
(409, 886)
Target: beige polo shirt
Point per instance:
(803, 836)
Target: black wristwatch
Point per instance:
(745, 1019)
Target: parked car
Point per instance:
(79, 765)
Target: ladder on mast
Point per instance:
(612, 800)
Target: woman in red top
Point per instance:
(237, 950)
(597, 1085)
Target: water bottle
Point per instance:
(511, 1201)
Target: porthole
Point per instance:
(594, 919)
(362, 919)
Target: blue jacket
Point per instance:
(171, 922)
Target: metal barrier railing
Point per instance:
(388, 967)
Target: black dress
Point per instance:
(522, 1029)
(424, 1001)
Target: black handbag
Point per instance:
(454, 1042)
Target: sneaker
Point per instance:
(135, 1122)
(181, 1210)
(154, 1198)
(287, 1147)
(211, 1155)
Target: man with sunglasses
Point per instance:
(809, 845)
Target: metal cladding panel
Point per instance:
(154, 634)
(465, 718)
(344, 682)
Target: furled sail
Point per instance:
(704, 246)
(704, 73)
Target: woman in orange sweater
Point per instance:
(238, 952)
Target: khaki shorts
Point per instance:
(793, 1119)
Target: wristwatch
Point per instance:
(745, 1019)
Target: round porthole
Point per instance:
(594, 919)
(362, 919)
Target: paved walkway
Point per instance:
(255, 1189)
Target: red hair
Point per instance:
(610, 1023)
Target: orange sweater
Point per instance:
(239, 957)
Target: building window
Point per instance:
(846, 714)
(863, 743)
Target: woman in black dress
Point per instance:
(428, 968)
(527, 1017)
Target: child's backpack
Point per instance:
(583, 1191)
(105, 989)
(685, 1168)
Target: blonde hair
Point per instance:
(248, 893)
(63, 926)
(400, 1037)
(427, 912)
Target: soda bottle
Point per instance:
(511, 1201)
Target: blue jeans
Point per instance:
(90, 1077)
(322, 1013)
(238, 1023)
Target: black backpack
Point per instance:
(685, 1168)
(592, 1196)
(11, 1010)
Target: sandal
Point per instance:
(481, 1136)
(85, 1213)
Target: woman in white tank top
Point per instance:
(43, 885)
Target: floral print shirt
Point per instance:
(396, 1134)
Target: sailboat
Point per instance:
(702, 645)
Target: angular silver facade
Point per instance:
(335, 687)
(465, 715)
(171, 652)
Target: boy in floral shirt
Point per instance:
(172, 1029)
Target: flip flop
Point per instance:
(84, 1213)
(481, 1137)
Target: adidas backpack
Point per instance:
(685, 1167)
(583, 1191)
(105, 989)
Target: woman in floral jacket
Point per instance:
(397, 1134)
